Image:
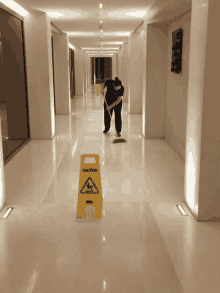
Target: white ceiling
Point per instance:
(84, 16)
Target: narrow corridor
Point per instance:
(141, 244)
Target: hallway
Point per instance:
(141, 244)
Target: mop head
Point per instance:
(119, 140)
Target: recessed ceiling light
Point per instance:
(137, 13)
(15, 6)
(121, 34)
(55, 14)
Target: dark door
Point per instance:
(13, 88)
(93, 69)
(108, 67)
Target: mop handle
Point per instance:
(108, 110)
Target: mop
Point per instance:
(118, 140)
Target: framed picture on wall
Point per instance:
(177, 43)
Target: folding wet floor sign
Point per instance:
(90, 190)
(97, 89)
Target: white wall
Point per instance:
(114, 67)
(117, 65)
(37, 32)
(202, 164)
(136, 72)
(156, 79)
(79, 80)
(84, 73)
(120, 64)
(177, 88)
(125, 70)
(62, 73)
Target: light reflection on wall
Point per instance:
(104, 285)
(52, 116)
(54, 155)
(190, 178)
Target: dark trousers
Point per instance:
(118, 121)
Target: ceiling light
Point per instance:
(85, 48)
(15, 6)
(123, 34)
(55, 14)
(100, 5)
(101, 30)
(71, 46)
(101, 21)
(137, 13)
(83, 33)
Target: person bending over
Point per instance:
(114, 95)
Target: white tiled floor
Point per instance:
(141, 244)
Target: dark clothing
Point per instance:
(120, 92)
(118, 121)
(110, 94)
(112, 97)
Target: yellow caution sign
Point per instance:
(97, 89)
(90, 190)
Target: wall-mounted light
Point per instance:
(101, 21)
(100, 5)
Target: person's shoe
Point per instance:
(118, 134)
(105, 131)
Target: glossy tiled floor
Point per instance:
(141, 244)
